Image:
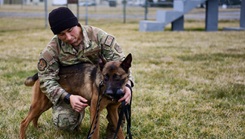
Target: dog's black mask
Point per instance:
(115, 77)
(114, 93)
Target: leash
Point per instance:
(125, 110)
(97, 113)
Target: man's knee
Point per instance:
(65, 121)
(66, 118)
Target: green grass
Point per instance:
(188, 84)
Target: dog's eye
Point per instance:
(106, 77)
(116, 77)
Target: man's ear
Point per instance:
(126, 64)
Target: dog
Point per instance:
(89, 81)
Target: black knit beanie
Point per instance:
(61, 19)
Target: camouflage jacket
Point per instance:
(58, 53)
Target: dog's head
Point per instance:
(115, 76)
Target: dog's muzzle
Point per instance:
(114, 93)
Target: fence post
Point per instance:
(242, 15)
(211, 20)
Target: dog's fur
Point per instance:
(84, 80)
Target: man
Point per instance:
(72, 44)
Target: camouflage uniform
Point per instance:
(58, 53)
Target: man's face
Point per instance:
(71, 36)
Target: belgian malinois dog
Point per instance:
(89, 81)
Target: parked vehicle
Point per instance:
(112, 3)
(223, 2)
(169, 3)
(230, 2)
(87, 3)
(158, 3)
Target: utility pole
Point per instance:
(86, 12)
(124, 10)
(46, 13)
(146, 9)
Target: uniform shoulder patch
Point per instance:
(109, 39)
(42, 64)
(118, 48)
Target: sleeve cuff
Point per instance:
(63, 95)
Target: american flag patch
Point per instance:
(109, 40)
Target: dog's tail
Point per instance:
(31, 80)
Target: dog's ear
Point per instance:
(102, 61)
(126, 64)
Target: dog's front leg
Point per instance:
(113, 116)
(94, 118)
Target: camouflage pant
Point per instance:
(65, 118)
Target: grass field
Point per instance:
(188, 84)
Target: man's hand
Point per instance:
(127, 95)
(78, 103)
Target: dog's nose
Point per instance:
(109, 92)
(120, 92)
